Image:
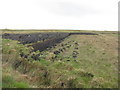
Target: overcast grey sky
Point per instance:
(59, 14)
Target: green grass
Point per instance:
(9, 82)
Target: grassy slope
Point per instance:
(97, 55)
(94, 66)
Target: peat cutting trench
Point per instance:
(47, 40)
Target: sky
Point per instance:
(59, 14)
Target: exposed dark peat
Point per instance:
(47, 40)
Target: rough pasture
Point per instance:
(67, 60)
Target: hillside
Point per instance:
(67, 59)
